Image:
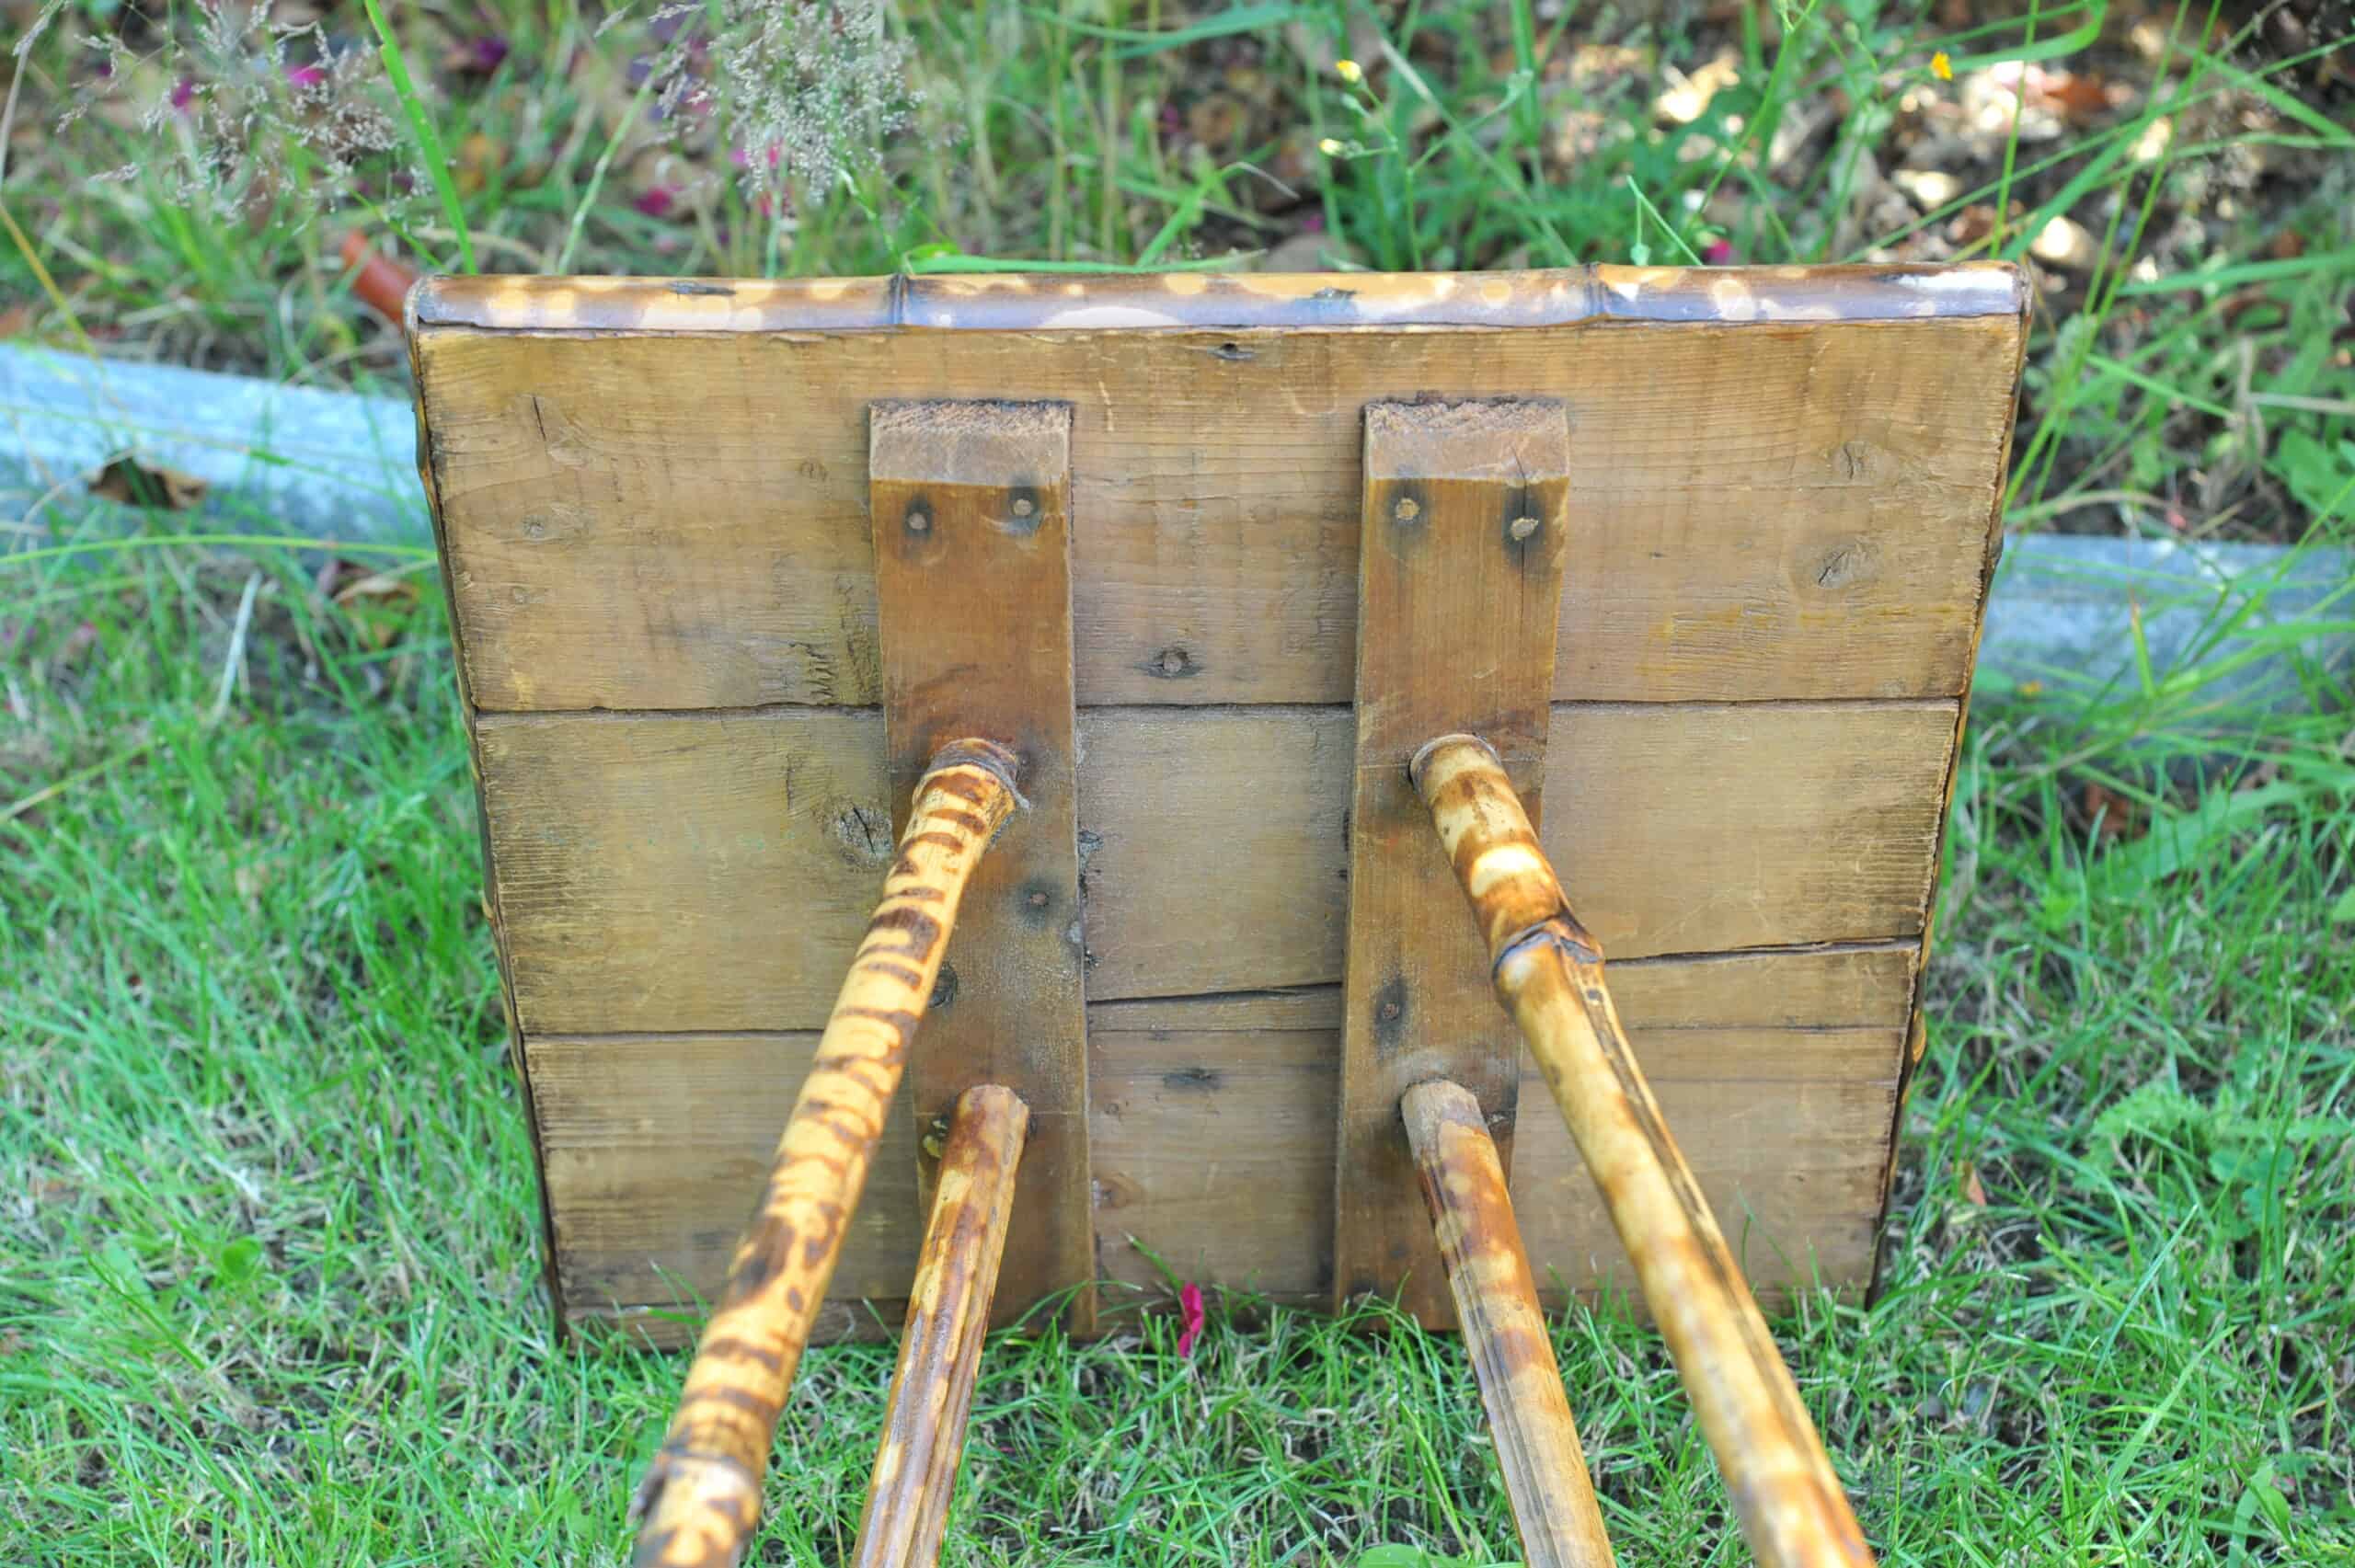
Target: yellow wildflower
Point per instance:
(1330, 147)
(1349, 71)
(1941, 67)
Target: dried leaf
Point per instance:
(477, 156)
(137, 484)
(1973, 1192)
(396, 586)
(1688, 98)
(2119, 817)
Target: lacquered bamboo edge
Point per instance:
(1016, 301)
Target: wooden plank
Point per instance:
(712, 871)
(654, 1147)
(1193, 1130)
(652, 522)
(971, 519)
(1465, 522)
(1212, 1138)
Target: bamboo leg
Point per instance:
(1549, 975)
(1504, 1330)
(940, 1350)
(701, 1497)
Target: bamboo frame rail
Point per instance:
(1550, 975)
(701, 1497)
(1504, 1330)
(940, 1349)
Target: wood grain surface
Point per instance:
(1765, 512)
(1783, 1066)
(691, 872)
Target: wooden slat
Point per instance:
(1466, 527)
(1188, 1128)
(971, 522)
(1212, 1128)
(711, 872)
(1773, 509)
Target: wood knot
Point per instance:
(863, 831)
(1846, 563)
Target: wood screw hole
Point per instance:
(1024, 506)
(918, 521)
(1521, 527)
(1408, 509)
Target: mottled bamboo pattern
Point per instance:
(1550, 975)
(940, 1349)
(701, 1498)
(1504, 1330)
(1218, 301)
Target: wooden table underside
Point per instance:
(654, 507)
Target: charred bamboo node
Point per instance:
(1550, 975)
(940, 1348)
(1000, 762)
(1463, 1180)
(700, 1501)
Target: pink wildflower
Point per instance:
(1189, 1302)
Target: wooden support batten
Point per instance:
(1464, 521)
(970, 504)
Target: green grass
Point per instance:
(269, 1268)
(269, 1278)
(2191, 373)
